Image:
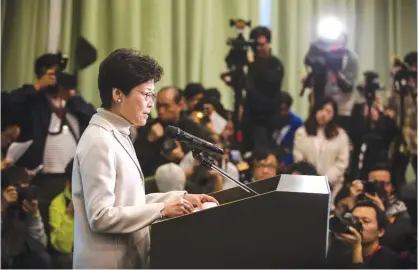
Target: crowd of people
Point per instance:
(270, 139)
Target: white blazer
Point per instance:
(111, 211)
(330, 158)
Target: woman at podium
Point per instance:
(112, 214)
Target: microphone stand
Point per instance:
(206, 163)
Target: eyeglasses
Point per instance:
(148, 96)
(267, 166)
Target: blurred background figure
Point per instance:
(323, 144)
(264, 82)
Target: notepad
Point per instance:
(17, 149)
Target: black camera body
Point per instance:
(373, 188)
(28, 193)
(340, 223)
(168, 146)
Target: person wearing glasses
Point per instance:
(265, 164)
(112, 214)
(263, 86)
(152, 147)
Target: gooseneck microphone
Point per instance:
(196, 142)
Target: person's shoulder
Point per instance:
(94, 136)
(296, 119)
(386, 258)
(58, 203)
(301, 131)
(342, 134)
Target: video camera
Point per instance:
(404, 71)
(237, 55)
(339, 223)
(322, 57)
(370, 85)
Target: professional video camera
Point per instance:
(339, 223)
(368, 89)
(237, 56)
(322, 56)
(235, 62)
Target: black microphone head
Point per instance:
(172, 131)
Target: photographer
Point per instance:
(339, 77)
(406, 147)
(365, 250)
(152, 147)
(210, 113)
(193, 93)
(54, 116)
(22, 234)
(264, 81)
(370, 145)
(381, 192)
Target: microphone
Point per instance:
(181, 135)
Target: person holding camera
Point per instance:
(23, 236)
(379, 190)
(54, 116)
(152, 146)
(364, 247)
(371, 144)
(339, 80)
(193, 93)
(405, 151)
(263, 85)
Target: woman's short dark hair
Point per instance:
(124, 69)
(311, 124)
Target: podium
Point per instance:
(285, 226)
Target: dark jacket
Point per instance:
(21, 233)
(31, 111)
(378, 141)
(149, 153)
(264, 82)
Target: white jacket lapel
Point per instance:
(129, 149)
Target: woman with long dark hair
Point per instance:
(323, 144)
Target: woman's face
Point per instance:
(137, 106)
(325, 115)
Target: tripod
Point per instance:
(402, 154)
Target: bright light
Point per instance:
(330, 28)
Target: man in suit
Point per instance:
(112, 214)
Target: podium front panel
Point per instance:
(277, 229)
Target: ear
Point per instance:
(182, 102)
(381, 233)
(116, 94)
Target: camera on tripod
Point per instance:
(239, 45)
